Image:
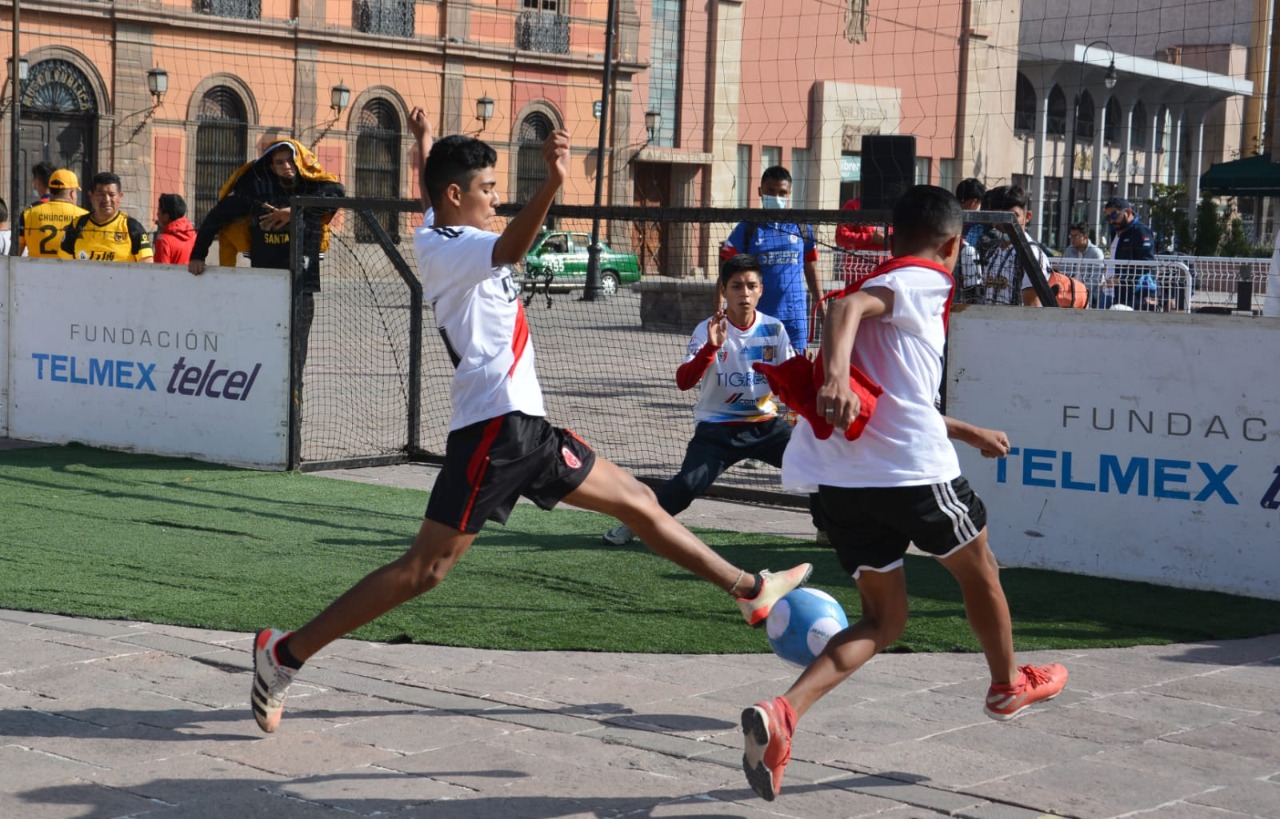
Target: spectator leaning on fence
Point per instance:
(42, 227)
(1005, 280)
(40, 174)
(177, 235)
(851, 238)
(106, 233)
(1080, 246)
(6, 230)
(263, 190)
(969, 284)
(1131, 241)
(788, 259)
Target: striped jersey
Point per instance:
(731, 390)
(43, 227)
(481, 319)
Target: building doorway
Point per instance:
(59, 120)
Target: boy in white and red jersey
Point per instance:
(500, 445)
(898, 483)
(736, 413)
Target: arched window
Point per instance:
(1086, 121)
(222, 141)
(378, 164)
(1141, 122)
(1164, 128)
(59, 118)
(1024, 105)
(1057, 112)
(1111, 128)
(531, 171)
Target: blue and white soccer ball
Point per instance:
(801, 624)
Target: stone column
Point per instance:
(305, 127)
(131, 141)
(1093, 214)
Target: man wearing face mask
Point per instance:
(788, 259)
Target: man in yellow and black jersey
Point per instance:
(107, 233)
(42, 226)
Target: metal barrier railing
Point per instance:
(1176, 284)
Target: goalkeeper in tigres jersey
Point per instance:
(107, 234)
(42, 226)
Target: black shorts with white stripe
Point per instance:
(871, 527)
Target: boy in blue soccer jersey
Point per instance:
(501, 445)
(788, 258)
(737, 415)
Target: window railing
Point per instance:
(391, 17)
(543, 31)
(238, 9)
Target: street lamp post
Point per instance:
(593, 290)
(1110, 82)
(15, 135)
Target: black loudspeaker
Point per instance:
(888, 169)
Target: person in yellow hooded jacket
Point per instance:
(258, 198)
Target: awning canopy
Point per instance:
(1252, 176)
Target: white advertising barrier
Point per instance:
(1145, 447)
(148, 358)
(4, 346)
(1271, 303)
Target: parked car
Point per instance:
(559, 258)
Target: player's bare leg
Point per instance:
(434, 552)
(884, 616)
(976, 570)
(1013, 688)
(614, 491)
(277, 655)
(769, 725)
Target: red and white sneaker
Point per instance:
(774, 588)
(270, 680)
(767, 727)
(1035, 683)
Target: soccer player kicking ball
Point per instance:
(500, 445)
(898, 483)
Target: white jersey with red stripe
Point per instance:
(481, 319)
(905, 443)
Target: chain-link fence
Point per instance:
(377, 378)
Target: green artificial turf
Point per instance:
(113, 535)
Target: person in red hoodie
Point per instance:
(850, 238)
(177, 235)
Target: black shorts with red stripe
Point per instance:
(490, 464)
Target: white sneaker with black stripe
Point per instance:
(270, 680)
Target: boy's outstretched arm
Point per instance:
(835, 400)
(420, 125)
(516, 240)
(992, 443)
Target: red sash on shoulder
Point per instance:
(797, 380)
